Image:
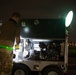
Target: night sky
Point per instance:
(40, 9)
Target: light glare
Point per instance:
(26, 29)
(69, 18)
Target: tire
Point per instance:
(20, 69)
(52, 71)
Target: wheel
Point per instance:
(52, 71)
(19, 69)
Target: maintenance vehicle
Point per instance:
(43, 47)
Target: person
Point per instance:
(10, 32)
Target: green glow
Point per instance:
(6, 47)
(69, 18)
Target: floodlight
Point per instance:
(69, 18)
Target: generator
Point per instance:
(43, 47)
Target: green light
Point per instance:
(69, 18)
(6, 47)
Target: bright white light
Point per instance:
(40, 40)
(36, 47)
(69, 18)
(26, 29)
(25, 53)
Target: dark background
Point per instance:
(40, 9)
